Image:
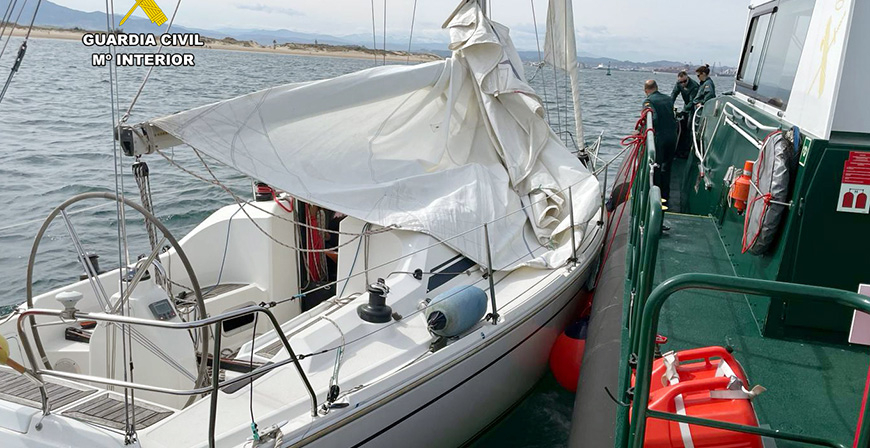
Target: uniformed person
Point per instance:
(706, 91)
(665, 126)
(687, 88)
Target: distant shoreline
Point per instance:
(316, 50)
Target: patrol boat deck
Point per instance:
(762, 263)
(799, 376)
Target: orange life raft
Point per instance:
(707, 383)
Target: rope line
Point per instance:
(541, 63)
(374, 34)
(411, 35)
(150, 69)
(214, 181)
(242, 204)
(12, 28)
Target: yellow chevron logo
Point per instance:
(151, 10)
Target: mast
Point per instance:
(561, 51)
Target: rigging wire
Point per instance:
(214, 181)
(10, 7)
(254, 428)
(123, 254)
(150, 69)
(541, 63)
(12, 28)
(385, 32)
(411, 35)
(565, 75)
(555, 81)
(242, 204)
(21, 50)
(374, 34)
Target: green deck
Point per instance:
(812, 388)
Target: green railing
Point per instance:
(643, 305)
(740, 285)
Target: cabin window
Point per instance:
(754, 47)
(773, 50)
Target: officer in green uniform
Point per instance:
(665, 126)
(706, 91)
(687, 88)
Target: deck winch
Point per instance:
(376, 310)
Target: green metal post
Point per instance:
(649, 252)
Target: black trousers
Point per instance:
(684, 144)
(662, 173)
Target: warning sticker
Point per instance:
(855, 185)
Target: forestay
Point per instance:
(439, 148)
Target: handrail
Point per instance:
(649, 323)
(39, 372)
(752, 140)
(748, 118)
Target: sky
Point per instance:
(693, 31)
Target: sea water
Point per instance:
(56, 142)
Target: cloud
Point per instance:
(269, 9)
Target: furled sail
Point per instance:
(560, 51)
(439, 148)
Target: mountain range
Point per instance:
(54, 15)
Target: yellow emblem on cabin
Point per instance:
(151, 10)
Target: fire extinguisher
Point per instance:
(740, 187)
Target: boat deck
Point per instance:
(811, 388)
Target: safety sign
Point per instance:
(855, 186)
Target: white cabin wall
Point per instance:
(251, 257)
(818, 76)
(852, 113)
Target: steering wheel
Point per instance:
(202, 372)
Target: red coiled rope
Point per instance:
(627, 173)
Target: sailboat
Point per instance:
(469, 228)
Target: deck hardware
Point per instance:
(439, 343)
(69, 299)
(489, 272)
(376, 311)
(418, 274)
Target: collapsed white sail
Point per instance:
(439, 148)
(560, 51)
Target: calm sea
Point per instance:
(55, 142)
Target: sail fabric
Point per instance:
(439, 148)
(560, 51)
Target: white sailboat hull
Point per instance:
(459, 403)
